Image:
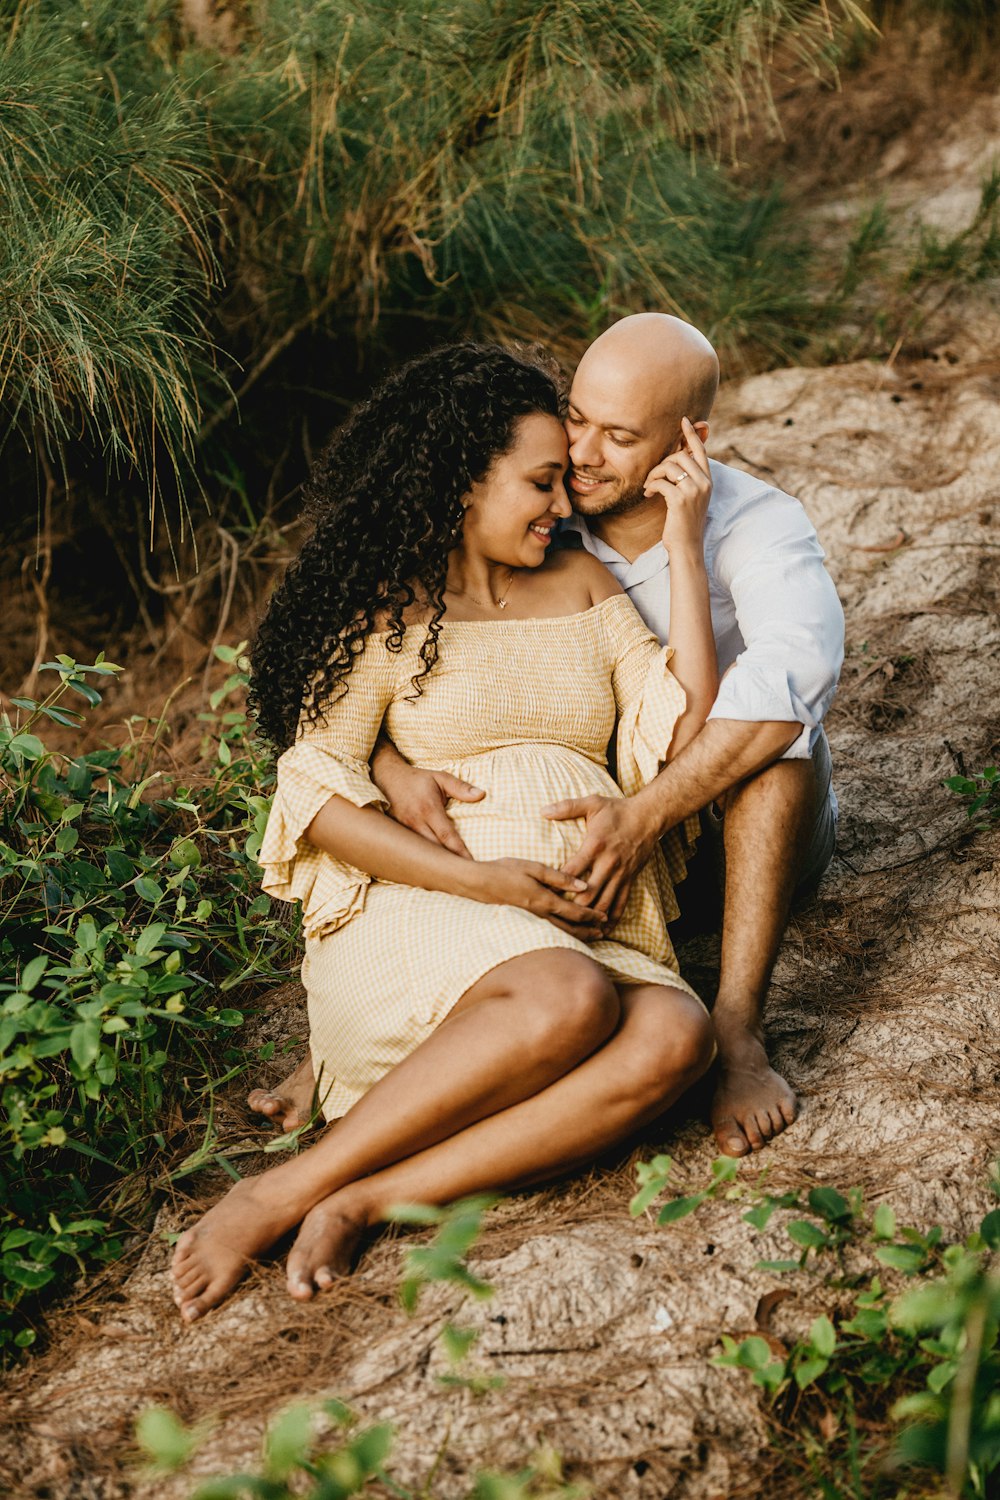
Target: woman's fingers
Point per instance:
(557, 880)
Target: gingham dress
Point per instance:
(524, 709)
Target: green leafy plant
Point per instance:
(129, 907)
(981, 794)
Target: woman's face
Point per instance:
(511, 514)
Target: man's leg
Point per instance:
(769, 827)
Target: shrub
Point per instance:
(129, 911)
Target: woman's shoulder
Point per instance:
(579, 570)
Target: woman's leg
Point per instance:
(524, 1024)
(663, 1044)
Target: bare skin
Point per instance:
(662, 1044)
(293, 1103)
(527, 1024)
(767, 823)
(629, 393)
(766, 829)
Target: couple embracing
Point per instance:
(507, 720)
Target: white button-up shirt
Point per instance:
(777, 619)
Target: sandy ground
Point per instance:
(882, 1014)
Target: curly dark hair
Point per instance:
(386, 501)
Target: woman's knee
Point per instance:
(571, 1007)
(671, 1044)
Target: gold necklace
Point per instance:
(500, 603)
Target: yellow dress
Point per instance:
(524, 709)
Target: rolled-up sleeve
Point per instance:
(789, 616)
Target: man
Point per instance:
(761, 764)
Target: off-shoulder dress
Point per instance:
(525, 709)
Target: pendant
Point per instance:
(501, 604)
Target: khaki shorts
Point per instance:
(707, 870)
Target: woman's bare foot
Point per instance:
(290, 1105)
(210, 1258)
(325, 1244)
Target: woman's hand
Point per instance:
(537, 888)
(685, 482)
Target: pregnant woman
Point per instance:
(473, 1026)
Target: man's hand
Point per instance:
(418, 799)
(618, 842)
(684, 479)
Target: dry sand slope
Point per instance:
(883, 1014)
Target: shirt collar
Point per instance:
(629, 574)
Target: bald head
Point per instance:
(630, 393)
(654, 360)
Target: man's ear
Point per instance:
(701, 428)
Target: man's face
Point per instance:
(616, 436)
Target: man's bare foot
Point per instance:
(291, 1103)
(752, 1103)
(210, 1258)
(325, 1244)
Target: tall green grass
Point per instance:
(198, 228)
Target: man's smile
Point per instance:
(586, 484)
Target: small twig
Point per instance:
(43, 553)
(227, 601)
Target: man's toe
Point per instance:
(731, 1139)
(789, 1109)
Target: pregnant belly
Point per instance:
(519, 781)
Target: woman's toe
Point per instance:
(324, 1278)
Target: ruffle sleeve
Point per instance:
(650, 703)
(331, 891)
(329, 759)
(645, 729)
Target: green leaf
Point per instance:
(941, 1376)
(778, 1266)
(33, 971)
(808, 1235)
(148, 889)
(808, 1371)
(990, 1228)
(908, 1258)
(67, 839)
(85, 1043)
(185, 852)
(829, 1204)
(760, 1214)
(164, 1438)
(27, 746)
(150, 936)
(823, 1337)
(288, 1440)
(884, 1222)
(679, 1208)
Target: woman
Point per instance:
(472, 1023)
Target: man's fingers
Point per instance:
(696, 446)
(619, 904)
(579, 864)
(573, 807)
(463, 791)
(439, 829)
(586, 932)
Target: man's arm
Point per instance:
(770, 703)
(418, 799)
(622, 834)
